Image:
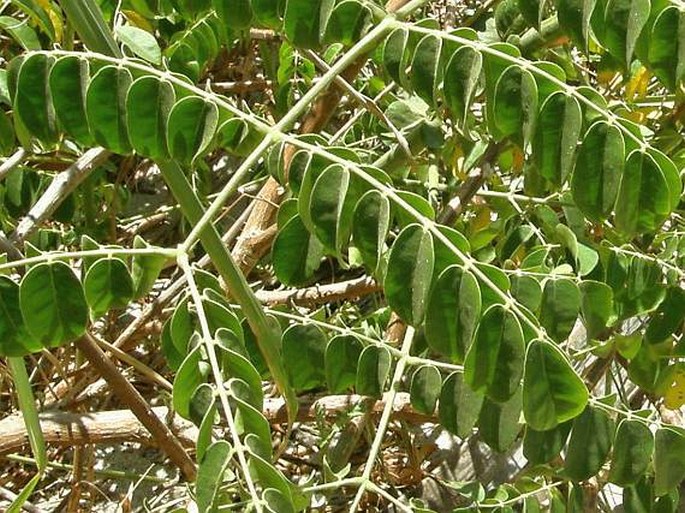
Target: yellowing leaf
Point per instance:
(674, 397)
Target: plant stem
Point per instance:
(267, 337)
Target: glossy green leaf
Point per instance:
(459, 406)
(515, 103)
(668, 317)
(296, 253)
(303, 350)
(425, 388)
(305, 21)
(370, 227)
(552, 391)
(141, 43)
(597, 306)
(190, 128)
(666, 54)
(556, 134)
(453, 313)
(632, 454)
(106, 108)
(210, 474)
(527, 291)
(331, 204)
(643, 202)
(598, 170)
(21, 32)
(540, 447)
(15, 338)
(145, 269)
(31, 102)
(560, 308)
(249, 420)
(68, 84)
(640, 497)
(191, 374)
(53, 304)
(498, 423)
(393, 53)
(410, 270)
(341, 357)
(669, 459)
(347, 23)
(235, 14)
(591, 437)
(425, 67)
(532, 11)
(574, 16)
(461, 78)
(623, 23)
(494, 363)
(373, 370)
(108, 284)
(147, 110)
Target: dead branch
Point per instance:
(357, 287)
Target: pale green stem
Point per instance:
(102, 253)
(385, 418)
(208, 341)
(294, 114)
(267, 338)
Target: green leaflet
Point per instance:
(190, 375)
(588, 447)
(459, 406)
(347, 23)
(68, 83)
(574, 16)
(108, 284)
(425, 389)
(557, 132)
(666, 53)
(598, 170)
(668, 316)
(370, 227)
(498, 423)
(31, 102)
(453, 312)
(540, 447)
(373, 370)
(597, 306)
(560, 308)
(632, 454)
(462, 74)
(494, 363)
(147, 111)
(141, 43)
(53, 304)
(15, 339)
(669, 459)
(145, 269)
(552, 392)
(303, 348)
(106, 108)
(644, 200)
(515, 103)
(190, 128)
(210, 474)
(409, 275)
(305, 21)
(296, 253)
(332, 203)
(425, 68)
(235, 14)
(623, 23)
(342, 355)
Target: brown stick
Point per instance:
(131, 397)
(320, 293)
(110, 427)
